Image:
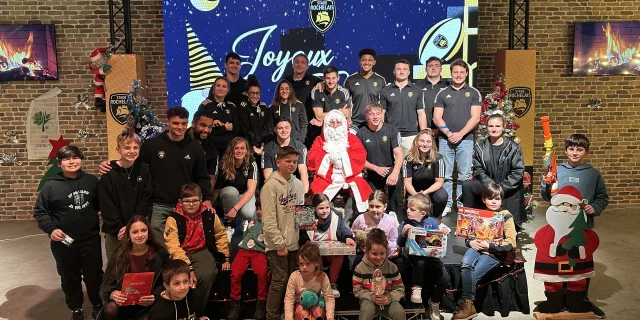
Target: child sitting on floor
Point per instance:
(309, 277)
(482, 256)
(329, 227)
(376, 217)
(174, 303)
(377, 281)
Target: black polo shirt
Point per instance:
(270, 154)
(363, 91)
(401, 106)
(380, 144)
(236, 91)
(303, 88)
(423, 175)
(241, 179)
(331, 101)
(430, 91)
(457, 105)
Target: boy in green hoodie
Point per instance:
(280, 194)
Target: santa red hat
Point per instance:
(97, 54)
(567, 194)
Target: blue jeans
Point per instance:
(462, 154)
(474, 266)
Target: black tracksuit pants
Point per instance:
(77, 263)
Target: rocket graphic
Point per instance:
(202, 73)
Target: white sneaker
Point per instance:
(434, 310)
(334, 289)
(446, 211)
(416, 294)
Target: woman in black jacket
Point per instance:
(139, 251)
(226, 124)
(251, 114)
(285, 104)
(497, 160)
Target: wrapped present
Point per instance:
(335, 248)
(305, 217)
(428, 243)
(472, 226)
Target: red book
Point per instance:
(136, 285)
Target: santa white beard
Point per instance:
(561, 221)
(336, 139)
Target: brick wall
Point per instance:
(82, 26)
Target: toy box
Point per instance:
(335, 248)
(305, 217)
(474, 226)
(428, 243)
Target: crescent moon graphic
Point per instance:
(205, 5)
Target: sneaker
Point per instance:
(334, 288)
(234, 310)
(416, 294)
(446, 211)
(77, 314)
(465, 311)
(95, 311)
(434, 310)
(261, 310)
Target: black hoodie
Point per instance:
(174, 164)
(166, 309)
(70, 205)
(123, 194)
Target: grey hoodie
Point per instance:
(279, 198)
(587, 180)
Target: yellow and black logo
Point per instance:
(118, 107)
(522, 98)
(322, 14)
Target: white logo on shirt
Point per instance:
(367, 141)
(187, 157)
(357, 83)
(574, 180)
(392, 94)
(448, 96)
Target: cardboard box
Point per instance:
(470, 226)
(428, 243)
(335, 248)
(305, 217)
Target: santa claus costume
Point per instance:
(99, 68)
(337, 157)
(565, 254)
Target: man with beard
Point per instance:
(237, 82)
(337, 158)
(364, 87)
(303, 83)
(200, 130)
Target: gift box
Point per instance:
(474, 226)
(335, 248)
(305, 217)
(428, 243)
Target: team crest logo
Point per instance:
(251, 114)
(227, 111)
(467, 94)
(262, 113)
(244, 104)
(337, 100)
(384, 139)
(293, 109)
(161, 154)
(410, 94)
(441, 41)
(139, 179)
(307, 83)
(322, 14)
(521, 98)
(118, 107)
(78, 199)
(375, 83)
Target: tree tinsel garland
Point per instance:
(142, 115)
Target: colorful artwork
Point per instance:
(427, 243)
(335, 248)
(305, 217)
(476, 227)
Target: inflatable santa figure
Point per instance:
(99, 66)
(337, 157)
(565, 254)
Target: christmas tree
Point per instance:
(142, 115)
(576, 235)
(498, 102)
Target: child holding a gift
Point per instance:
(418, 207)
(329, 227)
(482, 256)
(309, 294)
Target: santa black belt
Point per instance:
(563, 266)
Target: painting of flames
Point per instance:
(28, 52)
(607, 48)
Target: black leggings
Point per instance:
(111, 311)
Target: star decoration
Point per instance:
(57, 145)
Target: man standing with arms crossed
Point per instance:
(456, 112)
(364, 87)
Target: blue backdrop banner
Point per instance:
(267, 34)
